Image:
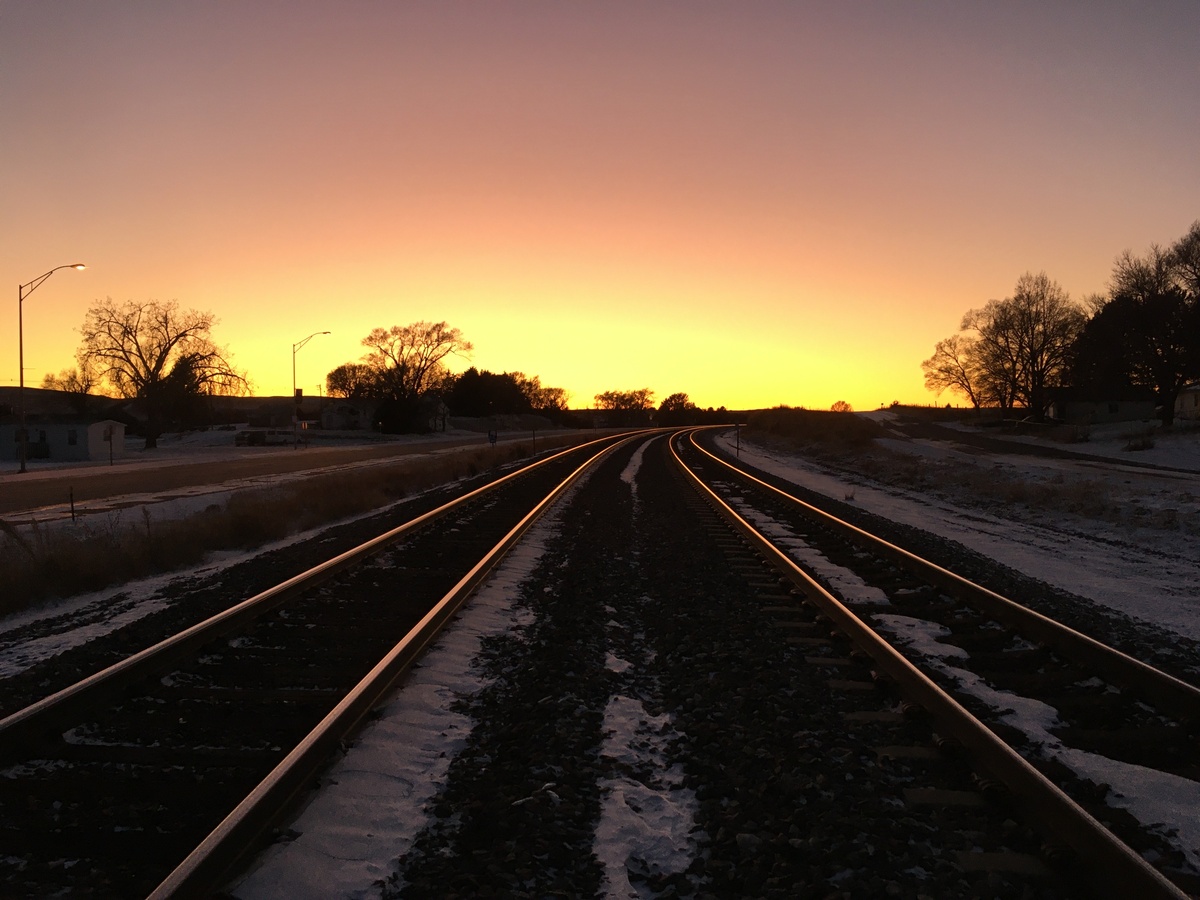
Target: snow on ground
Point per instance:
(371, 805)
(373, 802)
(1165, 803)
(1149, 573)
(646, 825)
(646, 822)
(1178, 448)
(92, 615)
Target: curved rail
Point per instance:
(40, 718)
(1171, 693)
(1114, 867)
(203, 869)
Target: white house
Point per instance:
(64, 439)
(348, 415)
(1187, 402)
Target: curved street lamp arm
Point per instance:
(26, 289)
(296, 347)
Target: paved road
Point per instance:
(149, 475)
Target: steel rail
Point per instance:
(1113, 867)
(203, 870)
(1168, 692)
(39, 720)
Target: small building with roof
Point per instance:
(1187, 402)
(63, 439)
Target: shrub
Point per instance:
(809, 427)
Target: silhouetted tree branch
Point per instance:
(159, 354)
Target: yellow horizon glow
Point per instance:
(778, 204)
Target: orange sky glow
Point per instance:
(755, 203)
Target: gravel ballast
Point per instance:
(639, 600)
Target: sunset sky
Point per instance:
(753, 202)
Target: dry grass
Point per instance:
(834, 440)
(43, 563)
(831, 432)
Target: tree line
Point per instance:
(404, 371)
(636, 407)
(1143, 333)
(165, 359)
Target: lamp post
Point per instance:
(23, 291)
(296, 347)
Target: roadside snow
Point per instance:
(1165, 803)
(88, 616)
(1149, 574)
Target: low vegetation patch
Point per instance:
(814, 430)
(846, 443)
(1139, 440)
(41, 563)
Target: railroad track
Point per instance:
(152, 776)
(812, 762)
(1052, 720)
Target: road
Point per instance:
(211, 465)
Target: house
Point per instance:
(1187, 403)
(64, 438)
(1093, 406)
(349, 415)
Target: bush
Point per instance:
(815, 428)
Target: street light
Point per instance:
(23, 291)
(296, 347)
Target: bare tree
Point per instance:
(1025, 341)
(677, 402)
(553, 399)
(1010, 351)
(1141, 276)
(953, 367)
(1093, 303)
(79, 380)
(994, 353)
(1185, 254)
(841, 406)
(409, 358)
(404, 368)
(159, 354)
